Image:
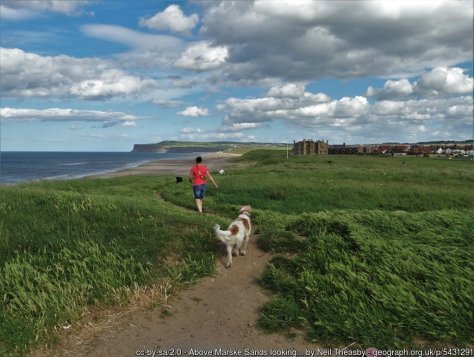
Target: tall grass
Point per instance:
(372, 277)
(68, 245)
(41, 290)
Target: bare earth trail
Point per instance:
(218, 312)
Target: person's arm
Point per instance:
(212, 179)
(191, 175)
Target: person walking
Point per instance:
(197, 176)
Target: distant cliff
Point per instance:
(148, 148)
(181, 147)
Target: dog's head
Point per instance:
(246, 210)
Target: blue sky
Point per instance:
(104, 75)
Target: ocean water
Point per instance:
(22, 166)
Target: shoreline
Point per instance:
(180, 167)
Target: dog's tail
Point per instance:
(223, 236)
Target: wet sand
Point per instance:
(179, 167)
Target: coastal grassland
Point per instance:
(373, 250)
(69, 245)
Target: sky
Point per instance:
(103, 75)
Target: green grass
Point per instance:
(377, 251)
(67, 245)
(373, 250)
(309, 184)
(382, 279)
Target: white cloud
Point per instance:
(150, 51)
(289, 90)
(173, 19)
(287, 107)
(445, 80)
(441, 81)
(16, 10)
(239, 126)
(134, 39)
(201, 56)
(226, 132)
(27, 74)
(215, 135)
(167, 103)
(194, 112)
(317, 110)
(109, 84)
(351, 107)
(70, 115)
(12, 14)
(225, 136)
(181, 83)
(392, 89)
(243, 126)
(354, 118)
(305, 10)
(129, 123)
(188, 130)
(265, 104)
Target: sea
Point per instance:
(17, 167)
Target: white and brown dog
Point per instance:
(237, 235)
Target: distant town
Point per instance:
(320, 147)
(452, 149)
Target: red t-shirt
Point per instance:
(199, 173)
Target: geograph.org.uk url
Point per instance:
(427, 352)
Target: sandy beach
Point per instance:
(179, 167)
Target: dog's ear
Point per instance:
(245, 209)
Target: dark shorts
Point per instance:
(199, 191)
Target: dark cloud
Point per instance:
(337, 39)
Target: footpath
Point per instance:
(215, 317)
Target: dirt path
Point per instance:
(218, 312)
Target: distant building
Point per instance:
(345, 149)
(392, 150)
(419, 150)
(310, 147)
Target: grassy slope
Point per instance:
(380, 278)
(383, 254)
(374, 250)
(69, 244)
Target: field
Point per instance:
(377, 251)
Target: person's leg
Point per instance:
(199, 205)
(201, 198)
(199, 191)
